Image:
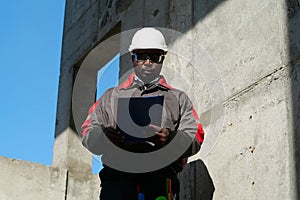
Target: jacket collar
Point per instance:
(130, 82)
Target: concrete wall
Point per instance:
(27, 181)
(246, 99)
(252, 44)
(251, 153)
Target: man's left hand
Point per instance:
(161, 135)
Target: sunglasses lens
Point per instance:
(154, 57)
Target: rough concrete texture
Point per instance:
(83, 186)
(244, 42)
(254, 144)
(28, 181)
(252, 46)
(70, 153)
(248, 44)
(83, 21)
(252, 49)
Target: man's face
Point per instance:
(147, 63)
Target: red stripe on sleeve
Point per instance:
(85, 127)
(200, 131)
(92, 109)
(195, 114)
(86, 124)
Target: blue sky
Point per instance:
(30, 48)
(30, 51)
(107, 78)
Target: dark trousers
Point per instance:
(128, 189)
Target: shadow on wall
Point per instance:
(196, 182)
(293, 17)
(203, 8)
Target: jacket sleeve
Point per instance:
(189, 127)
(92, 128)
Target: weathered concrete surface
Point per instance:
(70, 153)
(83, 186)
(251, 159)
(83, 21)
(251, 155)
(245, 43)
(28, 181)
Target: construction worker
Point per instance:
(148, 50)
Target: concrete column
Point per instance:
(77, 41)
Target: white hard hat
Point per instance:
(148, 38)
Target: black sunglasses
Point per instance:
(154, 57)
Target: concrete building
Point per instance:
(238, 60)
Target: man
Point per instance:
(148, 50)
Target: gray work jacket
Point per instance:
(178, 116)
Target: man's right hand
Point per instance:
(114, 135)
(119, 140)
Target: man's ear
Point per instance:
(162, 59)
(132, 58)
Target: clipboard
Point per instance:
(134, 114)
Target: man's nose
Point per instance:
(148, 61)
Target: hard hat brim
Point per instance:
(132, 48)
